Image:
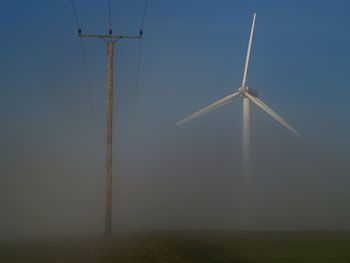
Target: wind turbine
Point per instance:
(247, 95)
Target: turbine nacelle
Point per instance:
(243, 90)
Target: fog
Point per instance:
(189, 177)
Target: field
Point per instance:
(187, 247)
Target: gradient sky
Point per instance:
(167, 177)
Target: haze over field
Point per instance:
(52, 166)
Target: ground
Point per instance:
(187, 247)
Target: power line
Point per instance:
(137, 90)
(87, 79)
(110, 17)
(86, 75)
(75, 14)
(144, 14)
(138, 71)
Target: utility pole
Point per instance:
(110, 40)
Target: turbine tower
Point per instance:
(247, 95)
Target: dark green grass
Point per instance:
(187, 247)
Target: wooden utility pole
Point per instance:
(110, 40)
(108, 224)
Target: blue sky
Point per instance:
(193, 54)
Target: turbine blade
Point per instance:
(211, 107)
(263, 106)
(244, 81)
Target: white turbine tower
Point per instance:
(247, 96)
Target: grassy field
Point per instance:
(169, 247)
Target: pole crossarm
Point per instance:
(109, 37)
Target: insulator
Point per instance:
(141, 33)
(110, 31)
(79, 31)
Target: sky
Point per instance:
(52, 154)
